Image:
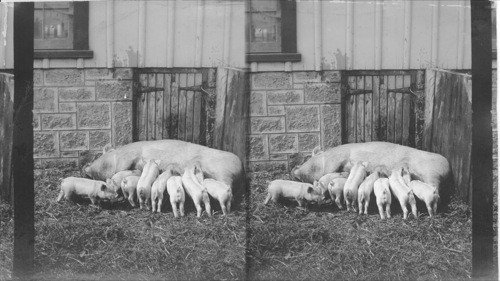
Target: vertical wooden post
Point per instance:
(22, 154)
(482, 163)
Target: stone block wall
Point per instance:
(80, 110)
(292, 112)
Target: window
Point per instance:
(61, 30)
(494, 28)
(271, 31)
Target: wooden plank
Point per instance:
(412, 120)
(430, 85)
(190, 108)
(406, 111)
(220, 106)
(376, 108)
(167, 95)
(142, 109)
(151, 101)
(398, 117)
(174, 107)
(351, 111)
(360, 110)
(182, 107)
(368, 108)
(438, 114)
(197, 109)
(382, 133)
(159, 107)
(229, 118)
(391, 109)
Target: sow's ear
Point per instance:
(103, 187)
(317, 150)
(107, 148)
(310, 189)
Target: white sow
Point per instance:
(192, 180)
(364, 192)
(177, 195)
(301, 192)
(220, 192)
(427, 193)
(336, 189)
(94, 190)
(398, 183)
(129, 187)
(384, 198)
(356, 177)
(149, 174)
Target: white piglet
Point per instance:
(129, 187)
(399, 187)
(221, 192)
(177, 195)
(149, 174)
(364, 192)
(384, 198)
(322, 183)
(115, 181)
(158, 190)
(192, 180)
(427, 193)
(72, 187)
(301, 192)
(356, 177)
(336, 189)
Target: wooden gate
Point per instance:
(170, 104)
(379, 106)
(6, 134)
(448, 123)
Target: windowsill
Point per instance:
(273, 57)
(63, 54)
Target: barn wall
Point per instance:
(374, 35)
(292, 112)
(77, 111)
(177, 33)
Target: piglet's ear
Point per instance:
(310, 189)
(103, 187)
(157, 161)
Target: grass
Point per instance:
(323, 243)
(116, 242)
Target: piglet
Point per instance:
(364, 192)
(384, 198)
(427, 193)
(95, 190)
(115, 181)
(129, 187)
(192, 180)
(221, 192)
(336, 189)
(149, 174)
(177, 195)
(158, 190)
(322, 183)
(355, 178)
(398, 182)
(302, 192)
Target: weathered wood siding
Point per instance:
(448, 123)
(6, 134)
(175, 33)
(390, 34)
(231, 112)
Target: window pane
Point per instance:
(53, 25)
(264, 27)
(264, 6)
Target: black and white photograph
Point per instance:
(248, 140)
